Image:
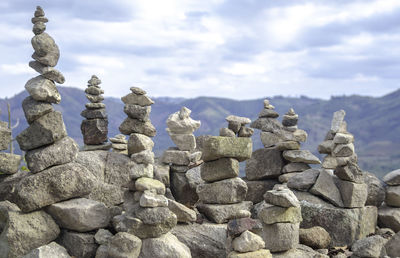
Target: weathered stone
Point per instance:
(166, 245)
(176, 157)
(182, 190)
(393, 246)
(236, 227)
(264, 163)
(268, 113)
(270, 214)
(343, 150)
(343, 138)
(102, 146)
(326, 147)
(47, 72)
(226, 132)
(315, 237)
(325, 187)
(141, 170)
(183, 213)
(299, 136)
(42, 89)
(130, 125)
(280, 237)
(119, 138)
(43, 131)
(303, 156)
(94, 98)
(331, 162)
(143, 157)
(144, 183)
(137, 112)
(288, 145)
(80, 214)
(353, 195)
(53, 185)
(93, 90)
(376, 190)
(216, 147)
(393, 196)
(222, 213)
(161, 173)
(9, 163)
(124, 245)
(304, 252)
(102, 251)
(269, 139)
(94, 81)
(226, 191)
(220, 169)
(248, 242)
(256, 188)
(94, 161)
(34, 109)
(350, 172)
(46, 50)
(135, 99)
(22, 232)
(234, 126)
(94, 113)
(117, 171)
(180, 122)
(369, 247)
(51, 250)
(61, 152)
(5, 137)
(281, 197)
(392, 178)
(139, 142)
(337, 120)
(78, 244)
(262, 253)
(150, 199)
(106, 193)
(184, 142)
(94, 131)
(121, 147)
(284, 178)
(304, 181)
(103, 236)
(267, 125)
(8, 184)
(93, 106)
(245, 132)
(354, 223)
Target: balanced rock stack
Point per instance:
(222, 196)
(95, 127)
(119, 144)
(280, 216)
(237, 127)
(180, 127)
(9, 163)
(389, 212)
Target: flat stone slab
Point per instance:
(270, 214)
(264, 164)
(304, 180)
(325, 187)
(220, 169)
(226, 191)
(176, 157)
(304, 156)
(222, 213)
(282, 197)
(215, 147)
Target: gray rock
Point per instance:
(102, 251)
(47, 72)
(303, 156)
(124, 245)
(245, 132)
(354, 223)
(247, 242)
(94, 113)
(222, 213)
(255, 189)
(343, 150)
(180, 122)
(343, 138)
(8, 184)
(350, 172)
(226, 191)
(182, 213)
(161, 173)
(9, 163)
(376, 190)
(5, 136)
(326, 147)
(34, 109)
(270, 214)
(389, 217)
(166, 245)
(393, 246)
(331, 162)
(337, 120)
(80, 214)
(284, 178)
(226, 132)
(22, 232)
(145, 157)
(238, 226)
(102, 146)
(106, 193)
(220, 169)
(138, 91)
(93, 106)
(264, 163)
(139, 142)
(137, 112)
(184, 142)
(51, 250)
(288, 145)
(280, 237)
(78, 244)
(295, 167)
(353, 195)
(42, 89)
(216, 147)
(262, 253)
(61, 152)
(204, 240)
(268, 113)
(130, 125)
(193, 176)
(393, 196)
(315, 237)
(103, 236)
(136, 99)
(269, 139)
(94, 90)
(303, 181)
(267, 125)
(326, 188)
(53, 185)
(94, 131)
(182, 189)
(142, 184)
(118, 170)
(392, 178)
(176, 157)
(150, 199)
(43, 131)
(369, 247)
(46, 50)
(281, 197)
(238, 119)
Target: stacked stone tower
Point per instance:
(9, 163)
(119, 144)
(95, 127)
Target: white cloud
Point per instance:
(16, 69)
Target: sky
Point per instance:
(241, 49)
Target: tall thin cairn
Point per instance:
(95, 127)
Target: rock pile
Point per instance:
(95, 127)
(9, 163)
(237, 127)
(119, 144)
(222, 196)
(180, 127)
(389, 212)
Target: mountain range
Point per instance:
(374, 121)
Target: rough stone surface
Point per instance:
(182, 213)
(94, 113)
(139, 142)
(130, 125)
(350, 172)
(270, 214)
(161, 173)
(184, 142)
(226, 191)
(47, 72)
(94, 131)
(176, 157)
(34, 109)
(256, 188)
(137, 112)
(61, 152)
(269, 139)
(280, 237)
(368, 247)
(42, 89)
(78, 244)
(263, 253)
(144, 183)
(295, 167)
(325, 187)
(282, 198)
(389, 217)
(22, 232)
(220, 169)
(248, 242)
(216, 147)
(392, 178)
(53, 185)
(180, 122)
(124, 245)
(304, 181)
(80, 214)
(103, 236)
(182, 189)
(285, 177)
(43, 131)
(51, 250)
(236, 227)
(150, 199)
(204, 240)
(393, 196)
(337, 120)
(166, 245)
(288, 145)
(46, 50)
(226, 132)
(222, 213)
(264, 163)
(9, 163)
(315, 237)
(303, 156)
(267, 125)
(343, 150)
(193, 176)
(144, 157)
(353, 195)
(137, 99)
(393, 246)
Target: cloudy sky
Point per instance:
(239, 49)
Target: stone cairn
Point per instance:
(119, 144)
(236, 127)
(9, 162)
(184, 157)
(222, 196)
(389, 212)
(95, 127)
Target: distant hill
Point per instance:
(375, 122)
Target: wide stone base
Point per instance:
(222, 213)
